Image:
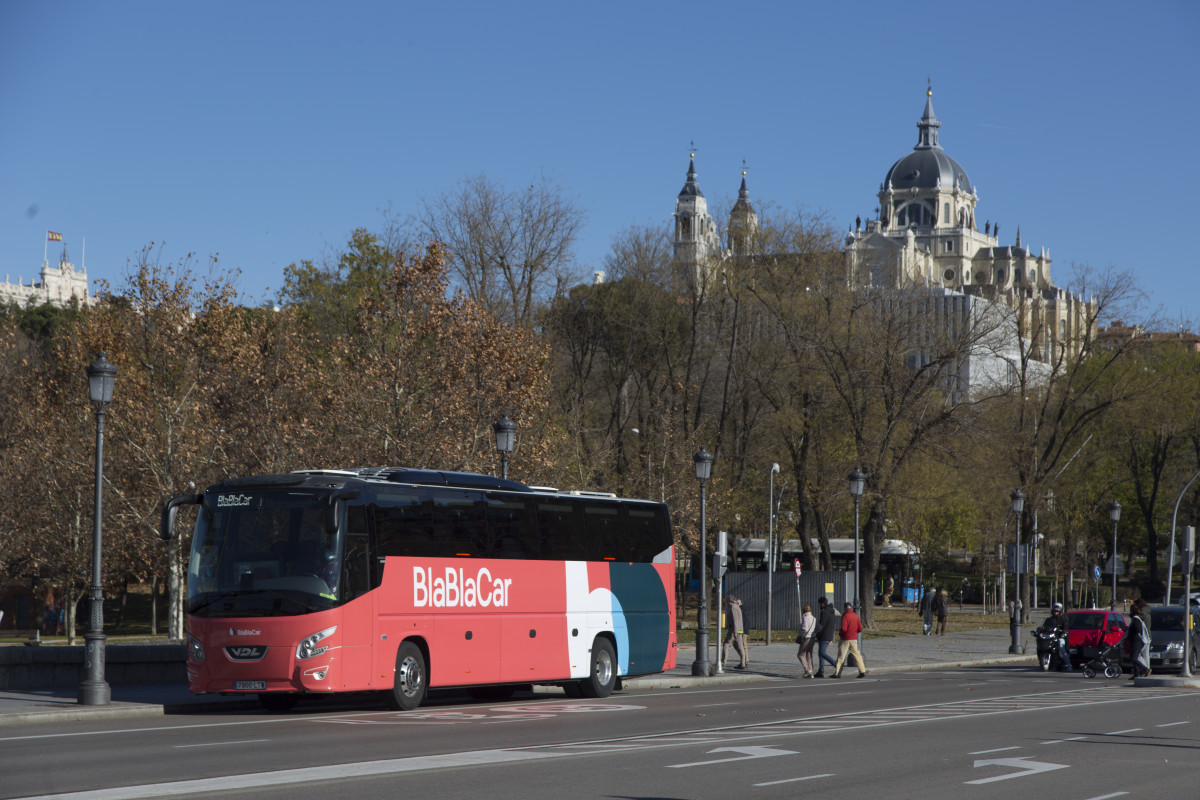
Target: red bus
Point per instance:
(402, 580)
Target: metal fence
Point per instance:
(788, 594)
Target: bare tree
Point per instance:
(508, 250)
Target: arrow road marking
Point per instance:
(749, 752)
(1026, 766)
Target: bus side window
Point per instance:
(560, 530)
(649, 532)
(403, 527)
(604, 528)
(357, 566)
(458, 516)
(511, 529)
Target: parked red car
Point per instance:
(1090, 629)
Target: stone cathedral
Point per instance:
(926, 235)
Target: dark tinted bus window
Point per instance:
(649, 531)
(604, 527)
(403, 525)
(355, 563)
(458, 519)
(560, 530)
(511, 529)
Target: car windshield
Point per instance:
(1166, 619)
(263, 553)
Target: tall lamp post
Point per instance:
(770, 544)
(703, 461)
(1018, 505)
(506, 441)
(857, 481)
(94, 690)
(1114, 513)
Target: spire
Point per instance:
(1018, 237)
(743, 201)
(927, 139)
(691, 188)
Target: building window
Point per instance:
(949, 247)
(946, 211)
(979, 277)
(1017, 275)
(949, 275)
(1033, 276)
(999, 276)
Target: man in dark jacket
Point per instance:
(826, 628)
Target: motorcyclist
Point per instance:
(1057, 624)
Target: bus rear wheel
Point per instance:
(603, 675)
(411, 680)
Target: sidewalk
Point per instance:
(776, 661)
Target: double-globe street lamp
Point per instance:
(94, 689)
(858, 482)
(1018, 505)
(703, 461)
(506, 441)
(1114, 513)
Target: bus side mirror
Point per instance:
(171, 509)
(331, 511)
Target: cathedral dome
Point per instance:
(927, 166)
(927, 169)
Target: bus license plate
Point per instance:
(250, 686)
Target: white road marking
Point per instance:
(1068, 739)
(285, 777)
(1173, 724)
(219, 744)
(1118, 733)
(997, 750)
(747, 753)
(1107, 796)
(793, 780)
(1025, 766)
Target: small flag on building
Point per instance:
(51, 236)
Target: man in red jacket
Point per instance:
(848, 643)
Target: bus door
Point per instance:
(358, 603)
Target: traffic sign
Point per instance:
(796, 566)
(1096, 572)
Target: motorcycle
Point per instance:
(1050, 645)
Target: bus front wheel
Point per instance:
(603, 675)
(411, 680)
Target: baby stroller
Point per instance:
(1106, 660)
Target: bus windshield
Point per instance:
(264, 552)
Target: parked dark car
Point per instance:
(1166, 639)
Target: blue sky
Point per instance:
(264, 133)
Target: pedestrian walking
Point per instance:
(1139, 638)
(736, 633)
(826, 628)
(925, 611)
(941, 608)
(850, 628)
(806, 637)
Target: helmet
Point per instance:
(1056, 608)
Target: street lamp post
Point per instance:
(770, 544)
(506, 441)
(1114, 513)
(94, 690)
(1018, 505)
(703, 461)
(857, 482)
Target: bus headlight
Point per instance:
(308, 646)
(195, 650)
